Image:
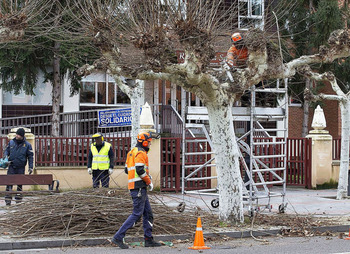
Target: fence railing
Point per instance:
(3, 143)
(85, 123)
(299, 157)
(170, 164)
(74, 124)
(336, 148)
(74, 152)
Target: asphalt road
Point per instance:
(278, 245)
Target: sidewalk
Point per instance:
(300, 201)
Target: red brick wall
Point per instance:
(330, 109)
(295, 121)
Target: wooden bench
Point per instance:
(42, 179)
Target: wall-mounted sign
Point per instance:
(114, 117)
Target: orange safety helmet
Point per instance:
(236, 37)
(144, 138)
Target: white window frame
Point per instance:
(250, 15)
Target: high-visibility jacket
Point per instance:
(136, 166)
(237, 57)
(100, 159)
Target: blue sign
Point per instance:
(114, 117)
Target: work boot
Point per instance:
(151, 243)
(120, 243)
(18, 198)
(8, 201)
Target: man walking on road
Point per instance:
(138, 180)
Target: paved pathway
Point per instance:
(300, 201)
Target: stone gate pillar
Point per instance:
(321, 150)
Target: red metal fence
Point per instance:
(336, 148)
(74, 152)
(299, 162)
(170, 164)
(3, 144)
(298, 171)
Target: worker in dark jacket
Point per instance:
(100, 161)
(18, 151)
(136, 166)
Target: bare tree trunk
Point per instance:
(308, 82)
(344, 155)
(135, 98)
(56, 91)
(306, 106)
(227, 162)
(134, 90)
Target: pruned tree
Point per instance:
(325, 16)
(139, 39)
(344, 104)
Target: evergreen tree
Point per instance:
(53, 53)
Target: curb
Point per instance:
(40, 244)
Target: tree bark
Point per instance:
(56, 91)
(306, 106)
(227, 162)
(344, 155)
(135, 99)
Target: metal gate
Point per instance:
(299, 158)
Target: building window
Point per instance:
(102, 93)
(87, 92)
(250, 14)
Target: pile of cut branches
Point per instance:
(91, 213)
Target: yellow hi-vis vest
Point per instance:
(100, 160)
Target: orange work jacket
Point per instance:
(136, 166)
(237, 57)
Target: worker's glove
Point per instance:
(150, 186)
(226, 67)
(110, 171)
(3, 163)
(89, 171)
(30, 171)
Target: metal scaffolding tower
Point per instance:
(262, 149)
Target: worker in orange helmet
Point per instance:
(237, 55)
(139, 179)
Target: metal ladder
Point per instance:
(267, 155)
(256, 186)
(199, 148)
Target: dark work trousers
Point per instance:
(141, 207)
(100, 175)
(14, 171)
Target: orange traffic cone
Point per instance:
(348, 238)
(198, 238)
